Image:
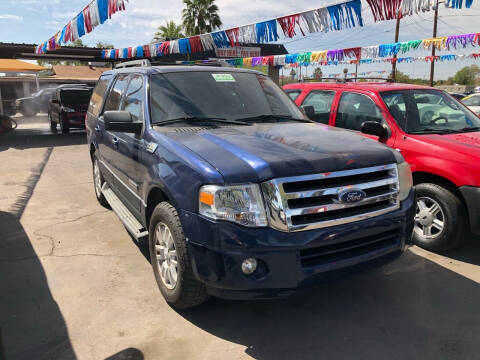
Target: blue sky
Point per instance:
(34, 21)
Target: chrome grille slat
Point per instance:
(337, 174)
(317, 201)
(335, 190)
(331, 207)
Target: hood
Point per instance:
(464, 143)
(24, 98)
(475, 109)
(261, 152)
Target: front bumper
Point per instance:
(75, 119)
(291, 260)
(472, 198)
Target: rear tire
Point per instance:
(98, 182)
(53, 124)
(170, 260)
(440, 222)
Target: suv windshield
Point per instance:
(429, 111)
(218, 95)
(75, 97)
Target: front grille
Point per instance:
(349, 249)
(313, 201)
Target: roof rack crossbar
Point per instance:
(133, 63)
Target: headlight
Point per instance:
(67, 109)
(242, 204)
(405, 180)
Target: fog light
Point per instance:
(249, 266)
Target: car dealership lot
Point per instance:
(74, 284)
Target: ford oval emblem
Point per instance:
(351, 196)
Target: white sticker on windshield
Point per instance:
(223, 77)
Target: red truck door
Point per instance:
(354, 108)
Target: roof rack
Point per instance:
(210, 63)
(133, 63)
(345, 80)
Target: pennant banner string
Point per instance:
(92, 15)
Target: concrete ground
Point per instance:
(73, 284)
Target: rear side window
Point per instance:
(115, 96)
(321, 101)
(96, 100)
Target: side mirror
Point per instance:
(121, 121)
(309, 111)
(375, 128)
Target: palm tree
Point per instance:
(317, 73)
(200, 16)
(168, 31)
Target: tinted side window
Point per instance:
(96, 100)
(293, 94)
(355, 109)
(115, 96)
(321, 101)
(134, 99)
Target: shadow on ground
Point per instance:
(469, 252)
(32, 324)
(39, 136)
(411, 309)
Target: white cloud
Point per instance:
(11, 17)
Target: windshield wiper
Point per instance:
(202, 120)
(434, 131)
(272, 117)
(470, 129)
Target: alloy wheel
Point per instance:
(97, 178)
(166, 256)
(429, 219)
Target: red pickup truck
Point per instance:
(436, 134)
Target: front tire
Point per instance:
(440, 221)
(170, 260)
(28, 111)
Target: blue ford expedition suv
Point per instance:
(237, 194)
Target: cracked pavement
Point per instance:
(74, 285)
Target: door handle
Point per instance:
(115, 141)
(97, 129)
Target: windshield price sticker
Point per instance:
(223, 77)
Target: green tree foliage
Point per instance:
(78, 43)
(405, 79)
(317, 73)
(168, 31)
(200, 16)
(467, 76)
(102, 45)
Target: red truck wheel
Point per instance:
(440, 221)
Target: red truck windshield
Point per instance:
(429, 111)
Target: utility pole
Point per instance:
(394, 63)
(432, 65)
